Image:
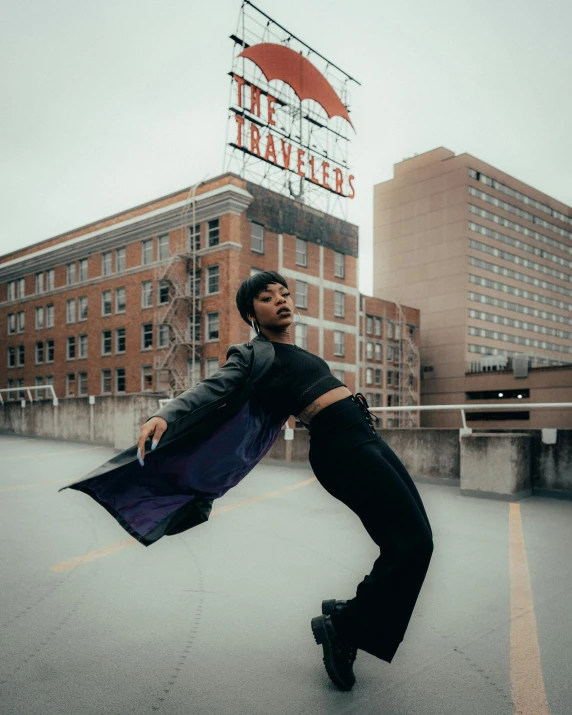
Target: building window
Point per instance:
(106, 342)
(378, 326)
(39, 353)
(211, 366)
(120, 300)
(256, 238)
(50, 316)
(120, 263)
(378, 401)
(339, 374)
(70, 310)
(369, 350)
(82, 308)
(368, 324)
(82, 345)
(39, 282)
(21, 356)
(146, 378)
(162, 336)
(50, 279)
(147, 251)
(39, 318)
(147, 336)
(390, 353)
(196, 333)
(193, 372)
(12, 290)
(11, 323)
(389, 329)
(301, 294)
(82, 383)
(21, 321)
(368, 376)
(106, 382)
(106, 266)
(83, 269)
(301, 252)
(213, 232)
(389, 378)
(106, 302)
(212, 279)
(339, 343)
(163, 246)
(11, 357)
(49, 381)
(378, 376)
(39, 394)
(378, 354)
(120, 340)
(195, 284)
(301, 335)
(70, 274)
(119, 379)
(50, 350)
(339, 304)
(163, 292)
(70, 384)
(70, 348)
(339, 265)
(195, 238)
(21, 287)
(147, 294)
(212, 326)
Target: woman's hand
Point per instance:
(156, 426)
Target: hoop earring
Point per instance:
(293, 323)
(254, 326)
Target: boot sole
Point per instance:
(321, 637)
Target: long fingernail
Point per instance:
(153, 445)
(139, 457)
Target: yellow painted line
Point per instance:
(526, 678)
(52, 454)
(72, 563)
(17, 487)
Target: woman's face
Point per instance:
(267, 305)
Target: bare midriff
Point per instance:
(308, 413)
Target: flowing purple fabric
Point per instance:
(141, 498)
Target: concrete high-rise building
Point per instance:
(488, 261)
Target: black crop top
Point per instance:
(296, 379)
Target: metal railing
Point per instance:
(26, 388)
(478, 406)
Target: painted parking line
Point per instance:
(78, 560)
(52, 454)
(526, 678)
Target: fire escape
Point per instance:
(407, 361)
(181, 315)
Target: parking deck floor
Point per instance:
(217, 620)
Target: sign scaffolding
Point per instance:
(289, 123)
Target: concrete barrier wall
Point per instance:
(425, 452)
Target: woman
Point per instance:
(236, 415)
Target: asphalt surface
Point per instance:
(217, 620)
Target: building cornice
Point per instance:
(212, 204)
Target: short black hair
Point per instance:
(251, 287)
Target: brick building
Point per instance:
(144, 301)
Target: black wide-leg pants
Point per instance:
(353, 463)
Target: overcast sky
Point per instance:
(108, 104)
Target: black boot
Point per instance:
(337, 654)
(333, 606)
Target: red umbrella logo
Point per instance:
(280, 62)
